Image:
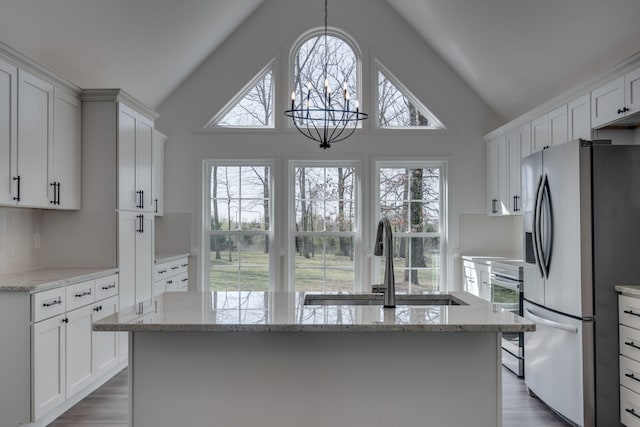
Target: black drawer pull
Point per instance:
(633, 377)
(175, 267)
(184, 280)
(169, 282)
(162, 271)
(184, 265)
(83, 294)
(632, 412)
(631, 313)
(631, 344)
(111, 286)
(52, 303)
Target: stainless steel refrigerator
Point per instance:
(581, 207)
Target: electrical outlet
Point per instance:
(36, 240)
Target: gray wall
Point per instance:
(380, 33)
(18, 227)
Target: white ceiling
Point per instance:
(515, 53)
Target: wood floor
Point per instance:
(108, 406)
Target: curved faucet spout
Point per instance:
(384, 230)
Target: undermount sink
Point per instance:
(378, 299)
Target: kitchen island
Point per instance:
(265, 358)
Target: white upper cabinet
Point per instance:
(616, 99)
(519, 146)
(8, 130)
(135, 136)
(39, 141)
(64, 155)
(540, 133)
(579, 116)
(497, 175)
(558, 123)
(159, 141)
(35, 132)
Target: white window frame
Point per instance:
(212, 123)
(437, 124)
(358, 254)
(273, 245)
(319, 32)
(442, 164)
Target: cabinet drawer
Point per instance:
(48, 304)
(630, 374)
(174, 268)
(171, 284)
(629, 311)
(183, 281)
(184, 266)
(161, 271)
(629, 342)
(629, 407)
(106, 287)
(81, 294)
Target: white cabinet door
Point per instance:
(8, 131)
(540, 133)
(159, 141)
(78, 350)
(35, 131)
(127, 197)
(519, 146)
(64, 153)
(135, 258)
(632, 91)
(144, 162)
(48, 365)
(497, 176)
(579, 115)
(558, 123)
(104, 345)
(607, 102)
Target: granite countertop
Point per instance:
(49, 278)
(286, 312)
(633, 290)
(166, 257)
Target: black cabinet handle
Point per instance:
(140, 195)
(184, 265)
(162, 271)
(53, 202)
(632, 412)
(631, 313)
(140, 219)
(65, 320)
(156, 203)
(169, 282)
(98, 308)
(516, 208)
(58, 193)
(52, 303)
(184, 280)
(111, 286)
(83, 294)
(494, 202)
(631, 344)
(620, 111)
(633, 377)
(17, 178)
(625, 109)
(175, 267)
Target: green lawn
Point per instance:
(251, 273)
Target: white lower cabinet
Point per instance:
(48, 365)
(629, 336)
(67, 355)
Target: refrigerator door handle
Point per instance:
(548, 246)
(537, 226)
(538, 319)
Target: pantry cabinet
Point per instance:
(497, 174)
(135, 259)
(159, 141)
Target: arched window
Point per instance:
(316, 55)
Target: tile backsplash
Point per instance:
(18, 230)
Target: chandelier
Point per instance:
(325, 122)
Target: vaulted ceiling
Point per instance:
(515, 54)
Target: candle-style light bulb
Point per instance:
(326, 85)
(357, 105)
(309, 85)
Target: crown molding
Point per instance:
(118, 95)
(569, 95)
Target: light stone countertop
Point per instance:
(489, 260)
(633, 290)
(49, 278)
(286, 312)
(160, 258)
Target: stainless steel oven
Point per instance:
(505, 282)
